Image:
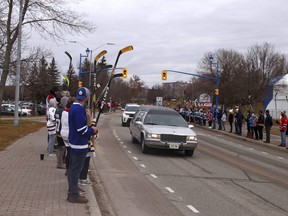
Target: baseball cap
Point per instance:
(82, 93)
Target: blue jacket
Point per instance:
(79, 132)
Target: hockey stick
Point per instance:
(123, 50)
(70, 67)
(106, 90)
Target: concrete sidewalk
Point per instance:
(30, 186)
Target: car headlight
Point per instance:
(191, 138)
(153, 136)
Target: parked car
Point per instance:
(164, 128)
(8, 109)
(26, 110)
(41, 109)
(128, 113)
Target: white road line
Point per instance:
(192, 208)
(265, 153)
(251, 149)
(119, 139)
(142, 165)
(135, 158)
(169, 189)
(125, 146)
(280, 157)
(121, 142)
(153, 176)
(129, 152)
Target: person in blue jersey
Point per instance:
(79, 133)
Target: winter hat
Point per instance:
(64, 101)
(53, 102)
(82, 93)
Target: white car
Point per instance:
(128, 113)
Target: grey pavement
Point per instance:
(30, 186)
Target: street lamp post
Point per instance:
(91, 55)
(217, 79)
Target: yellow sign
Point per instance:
(216, 91)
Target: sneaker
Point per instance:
(84, 182)
(77, 199)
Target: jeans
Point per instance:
(77, 160)
(267, 129)
(283, 137)
(51, 142)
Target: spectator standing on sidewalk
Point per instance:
(251, 124)
(239, 121)
(51, 125)
(210, 119)
(223, 119)
(283, 126)
(60, 147)
(255, 128)
(268, 123)
(219, 119)
(91, 152)
(65, 130)
(79, 133)
(231, 119)
(260, 125)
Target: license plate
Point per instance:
(174, 146)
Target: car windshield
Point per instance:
(131, 108)
(165, 119)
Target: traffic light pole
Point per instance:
(201, 76)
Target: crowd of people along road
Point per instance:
(72, 135)
(255, 123)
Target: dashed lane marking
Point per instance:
(192, 208)
(169, 189)
(153, 176)
(135, 158)
(264, 153)
(142, 165)
(129, 152)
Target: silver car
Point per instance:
(160, 127)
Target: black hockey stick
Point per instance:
(106, 90)
(123, 50)
(70, 67)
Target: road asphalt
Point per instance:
(31, 186)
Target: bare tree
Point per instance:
(50, 18)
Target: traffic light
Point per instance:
(164, 75)
(124, 73)
(79, 84)
(216, 91)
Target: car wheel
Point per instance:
(145, 149)
(134, 140)
(123, 124)
(189, 153)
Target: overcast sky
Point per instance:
(175, 34)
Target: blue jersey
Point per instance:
(79, 132)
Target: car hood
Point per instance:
(163, 129)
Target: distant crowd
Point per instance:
(255, 123)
